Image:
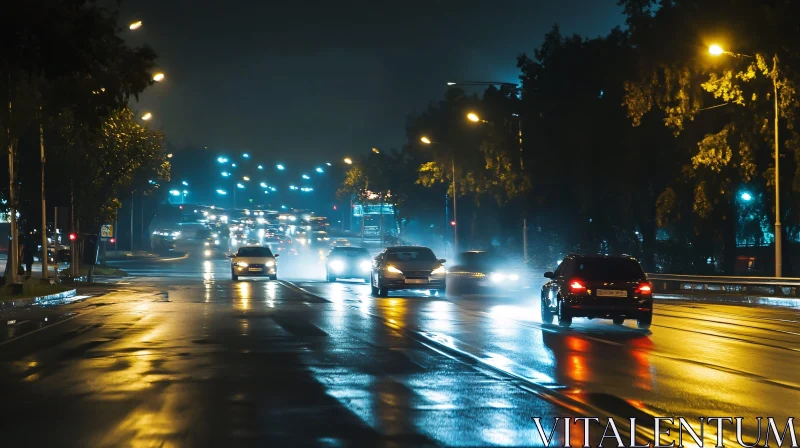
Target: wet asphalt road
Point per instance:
(179, 355)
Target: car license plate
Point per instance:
(255, 269)
(611, 293)
(416, 281)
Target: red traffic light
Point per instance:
(73, 236)
(113, 240)
(181, 207)
(452, 223)
(335, 207)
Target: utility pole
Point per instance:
(132, 204)
(455, 211)
(44, 204)
(13, 251)
(778, 253)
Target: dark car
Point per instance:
(477, 271)
(598, 287)
(348, 262)
(407, 267)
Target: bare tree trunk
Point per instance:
(13, 252)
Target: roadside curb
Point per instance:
(41, 300)
(732, 299)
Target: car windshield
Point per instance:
(349, 252)
(610, 269)
(254, 252)
(411, 254)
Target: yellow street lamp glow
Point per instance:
(147, 116)
(246, 178)
(715, 50)
(169, 156)
(158, 77)
(135, 25)
(376, 150)
(425, 140)
(472, 116)
(348, 160)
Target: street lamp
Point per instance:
(245, 155)
(319, 170)
(376, 150)
(717, 50)
(263, 184)
(185, 184)
(747, 197)
(221, 159)
(454, 223)
(306, 176)
(158, 77)
(239, 185)
(261, 167)
(221, 192)
(225, 174)
(246, 178)
(348, 160)
(147, 116)
(135, 25)
(280, 167)
(472, 116)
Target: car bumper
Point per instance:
(433, 283)
(246, 272)
(608, 308)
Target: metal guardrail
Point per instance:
(700, 284)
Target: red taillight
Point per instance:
(575, 286)
(644, 289)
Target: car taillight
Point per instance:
(644, 288)
(576, 286)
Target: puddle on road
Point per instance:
(23, 323)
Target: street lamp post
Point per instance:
(428, 141)
(717, 50)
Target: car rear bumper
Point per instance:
(608, 308)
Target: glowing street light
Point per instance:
(747, 197)
(261, 167)
(348, 160)
(280, 167)
(169, 156)
(158, 77)
(376, 150)
(246, 155)
(147, 116)
(222, 192)
(222, 159)
(175, 192)
(135, 25)
(246, 178)
(263, 184)
(320, 170)
(425, 140)
(233, 165)
(185, 184)
(273, 189)
(715, 50)
(306, 176)
(472, 116)
(239, 185)
(328, 163)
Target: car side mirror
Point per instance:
(549, 274)
(442, 260)
(276, 255)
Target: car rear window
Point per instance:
(609, 269)
(350, 252)
(254, 252)
(423, 254)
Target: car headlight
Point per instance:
(393, 270)
(336, 265)
(497, 277)
(269, 264)
(216, 242)
(365, 265)
(206, 243)
(513, 277)
(438, 271)
(241, 264)
(207, 253)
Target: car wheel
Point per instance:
(564, 319)
(382, 290)
(547, 315)
(618, 320)
(234, 277)
(645, 321)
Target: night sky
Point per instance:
(317, 79)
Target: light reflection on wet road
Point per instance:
(185, 356)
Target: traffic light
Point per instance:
(73, 236)
(335, 207)
(113, 241)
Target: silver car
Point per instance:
(407, 267)
(257, 261)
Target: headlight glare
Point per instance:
(438, 271)
(497, 277)
(269, 264)
(365, 265)
(336, 265)
(393, 269)
(241, 264)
